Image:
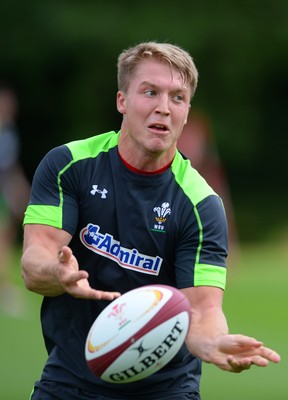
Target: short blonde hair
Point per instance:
(175, 56)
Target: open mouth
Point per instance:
(159, 127)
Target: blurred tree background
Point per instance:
(60, 56)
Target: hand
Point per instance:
(75, 281)
(236, 353)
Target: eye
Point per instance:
(150, 93)
(178, 98)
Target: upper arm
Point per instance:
(54, 192)
(202, 247)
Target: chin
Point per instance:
(159, 145)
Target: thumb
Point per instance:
(65, 255)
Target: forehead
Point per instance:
(158, 73)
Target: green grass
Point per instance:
(21, 348)
(255, 304)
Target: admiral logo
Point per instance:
(105, 245)
(161, 216)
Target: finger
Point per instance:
(107, 295)
(247, 341)
(260, 361)
(65, 255)
(270, 354)
(92, 294)
(236, 344)
(239, 365)
(76, 276)
(245, 363)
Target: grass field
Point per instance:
(255, 303)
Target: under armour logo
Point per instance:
(96, 190)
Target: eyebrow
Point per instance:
(155, 86)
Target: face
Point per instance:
(155, 109)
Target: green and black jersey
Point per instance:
(128, 230)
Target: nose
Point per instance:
(163, 105)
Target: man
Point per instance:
(89, 194)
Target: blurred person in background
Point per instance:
(14, 196)
(198, 143)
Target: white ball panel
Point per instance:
(150, 353)
(123, 317)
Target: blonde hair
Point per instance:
(175, 56)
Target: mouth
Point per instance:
(158, 127)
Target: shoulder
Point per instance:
(65, 155)
(92, 146)
(188, 178)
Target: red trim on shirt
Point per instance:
(138, 171)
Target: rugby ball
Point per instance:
(138, 333)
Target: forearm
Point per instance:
(205, 331)
(39, 271)
(50, 268)
(208, 336)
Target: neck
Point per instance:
(142, 160)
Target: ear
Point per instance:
(121, 102)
